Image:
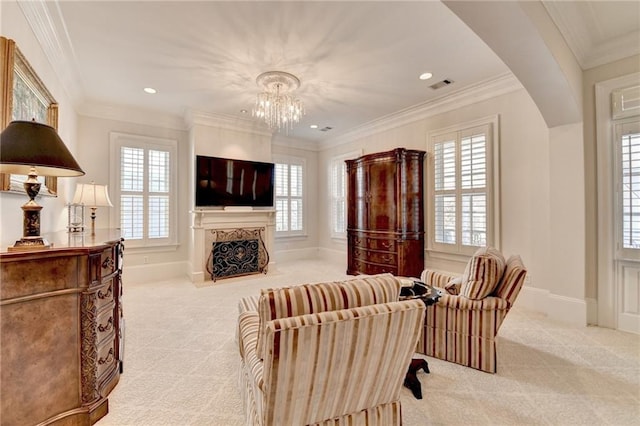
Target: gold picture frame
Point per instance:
(14, 65)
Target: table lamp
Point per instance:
(31, 148)
(92, 196)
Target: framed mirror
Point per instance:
(23, 96)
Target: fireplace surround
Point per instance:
(207, 223)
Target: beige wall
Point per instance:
(93, 155)
(524, 153)
(303, 246)
(53, 215)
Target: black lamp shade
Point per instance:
(27, 144)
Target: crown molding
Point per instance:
(613, 50)
(132, 115)
(229, 122)
(469, 95)
(289, 142)
(580, 40)
(47, 24)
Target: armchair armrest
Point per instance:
(436, 278)
(489, 303)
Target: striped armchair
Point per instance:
(464, 330)
(327, 354)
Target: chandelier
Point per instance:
(275, 105)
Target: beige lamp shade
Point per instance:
(92, 195)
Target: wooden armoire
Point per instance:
(385, 219)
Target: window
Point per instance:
(144, 188)
(338, 188)
(627, 135)
(461, 191)
(289, 196)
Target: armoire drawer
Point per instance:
(371, 256)
(373, 269)
(375, 243)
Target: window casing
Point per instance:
(289, 196)
(462, 188)
(144, 189)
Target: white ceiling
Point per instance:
(357, 61)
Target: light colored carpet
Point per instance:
(181, 364)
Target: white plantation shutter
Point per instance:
(444, 158)
(473, 183)
(338, 186)
(630, 190)
(338, 198)
(296, 197)
(461, 207)
(146, 189)
(289, 195)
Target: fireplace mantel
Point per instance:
(204, 220)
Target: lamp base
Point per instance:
(30, 243)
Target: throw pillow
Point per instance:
(482, 274)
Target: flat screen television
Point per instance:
(228, 182)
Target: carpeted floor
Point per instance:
(181, 364)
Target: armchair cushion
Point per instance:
(315, 298)
(482, 274)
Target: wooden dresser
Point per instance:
(60, 330)
(385, 217)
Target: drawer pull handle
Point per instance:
(387, 259)
(108, 263)
(386, 244)
(108, 359)
(102, 295)
(108, 326)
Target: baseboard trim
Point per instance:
(297, 254)
(333, 255)
(154, 272)
(557, 307)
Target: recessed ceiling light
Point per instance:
(314, 126)
(150, 90)
(426, 76)
(243, 111)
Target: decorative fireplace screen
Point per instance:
(237, 252)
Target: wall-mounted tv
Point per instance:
(228, 182)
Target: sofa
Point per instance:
(332, 353)
(463, 326)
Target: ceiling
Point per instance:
(357, 61)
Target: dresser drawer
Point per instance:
(108, 261)
(106, 360)
(104, 295)
(105, 324)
